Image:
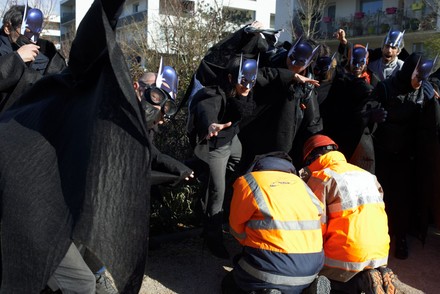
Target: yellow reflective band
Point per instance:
(361, 190)
(271, 224)
(273, 278)
(241, 236)
(355, 266)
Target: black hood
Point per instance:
(403, 77)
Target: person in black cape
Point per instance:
(76, 165)
(404, 146)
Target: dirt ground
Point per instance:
(183, 265)
(186, 266)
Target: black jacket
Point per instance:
(341, 111)
(410, 135)
(16, 76)
(210, 105)
(287, 114)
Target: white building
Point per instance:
(367, 21)
(51, 30)
(72, 11)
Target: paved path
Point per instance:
(187, 267)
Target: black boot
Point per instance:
(213, 235)
(216, 247)
(401, 251)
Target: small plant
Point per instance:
(173, 209)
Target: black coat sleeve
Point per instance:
(166, 169)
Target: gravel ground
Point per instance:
(183, 265)
(186, 266)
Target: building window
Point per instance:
(371, 6)
(135, 8)
(272, 21)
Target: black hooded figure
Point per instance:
(75, 164)
(402, 146)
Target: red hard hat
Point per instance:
(316, 141)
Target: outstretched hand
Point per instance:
(191, 176)
(302, 79)
(215, 128)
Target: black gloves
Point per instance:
(428, 90)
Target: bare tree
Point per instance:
(4, 8)
(183, 33)
(308, 16)
(66, 40)
(433, 4)
(435, 7)
(46, 6)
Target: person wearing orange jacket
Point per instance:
(277, 219)
(356, 240)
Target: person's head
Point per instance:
(358, 57)
(422, 71)
(12, 22)
(33, 24)
(414, 71)
(392, 45)
(316, 146)
(145, 80)
(324, 67)
(242, 76)
(273, 161)
(301, 55)
(23, 30)
(157, 94)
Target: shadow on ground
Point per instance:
(186, 266)
(421, 269)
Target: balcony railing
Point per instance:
(133, 18)
(67, 16)
(360, 24)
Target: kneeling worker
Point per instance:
(356, 240)
(277, 219)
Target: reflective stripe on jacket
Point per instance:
(278, 220)
(356, 233)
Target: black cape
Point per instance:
(75, 164)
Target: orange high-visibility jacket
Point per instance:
(278, 220)
(356, 231)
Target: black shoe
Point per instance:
(390, 280)
(372, 282)
(321, 285)
(401, 251)
(217, 248)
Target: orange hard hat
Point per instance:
(316, 141)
